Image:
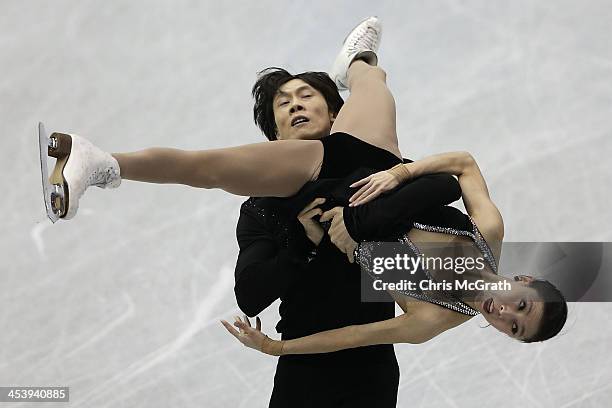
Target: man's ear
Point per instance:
(332, 116)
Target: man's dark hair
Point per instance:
(554, 313)
(271, 79)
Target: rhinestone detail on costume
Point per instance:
(363, 256)
(282, 231)
(476, 236)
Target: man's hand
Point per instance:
(338, 234)
(313, 229)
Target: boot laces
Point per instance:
(101, 177)
(365, 40)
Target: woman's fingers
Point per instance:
(244, 329)
(366, 193)
(230, 329)
(358, 193)
(369, 197)
(361, 191)
(378, 185)
(241, 325)
(361, 182)
(246, 334)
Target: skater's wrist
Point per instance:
(272, 347)
(401, 173)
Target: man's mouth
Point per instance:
(487, 305)
(298, 120)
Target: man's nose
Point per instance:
(296, 107)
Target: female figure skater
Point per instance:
(362, 133)
(530, 311)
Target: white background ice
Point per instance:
(122, 304)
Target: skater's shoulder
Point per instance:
(250, 205)
(253, 203)
(263, 207)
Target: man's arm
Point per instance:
(263, 270)
(393, 213)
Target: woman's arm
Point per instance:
(406, 328)
(393, 214)
(474, 191)
(461, 164)
(414, 328)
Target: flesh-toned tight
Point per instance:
(279, 168)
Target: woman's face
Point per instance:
(516, 312)
(301, 112)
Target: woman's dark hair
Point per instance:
(271, 79)
(554, 313)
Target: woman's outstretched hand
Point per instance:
(372, 186)
(246, 334)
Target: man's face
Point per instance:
(301, 112)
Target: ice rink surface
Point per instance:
(122, 303)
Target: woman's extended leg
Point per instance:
(267, 169)
(369, 112)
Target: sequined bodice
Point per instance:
(445, 299)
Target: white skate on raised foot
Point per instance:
(79, 165)
(361, 43)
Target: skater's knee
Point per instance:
(379, 73)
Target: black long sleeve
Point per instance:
(393, 213)
(266, 268)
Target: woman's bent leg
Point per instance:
(267, 169)
(369, 111)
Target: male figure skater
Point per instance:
(294, 259)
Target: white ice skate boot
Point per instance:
(361, 43)
(79, 165)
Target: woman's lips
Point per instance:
(487, 305)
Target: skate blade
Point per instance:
(55, 190)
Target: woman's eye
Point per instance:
(283, 103)
(307, 96)
(514, 328)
